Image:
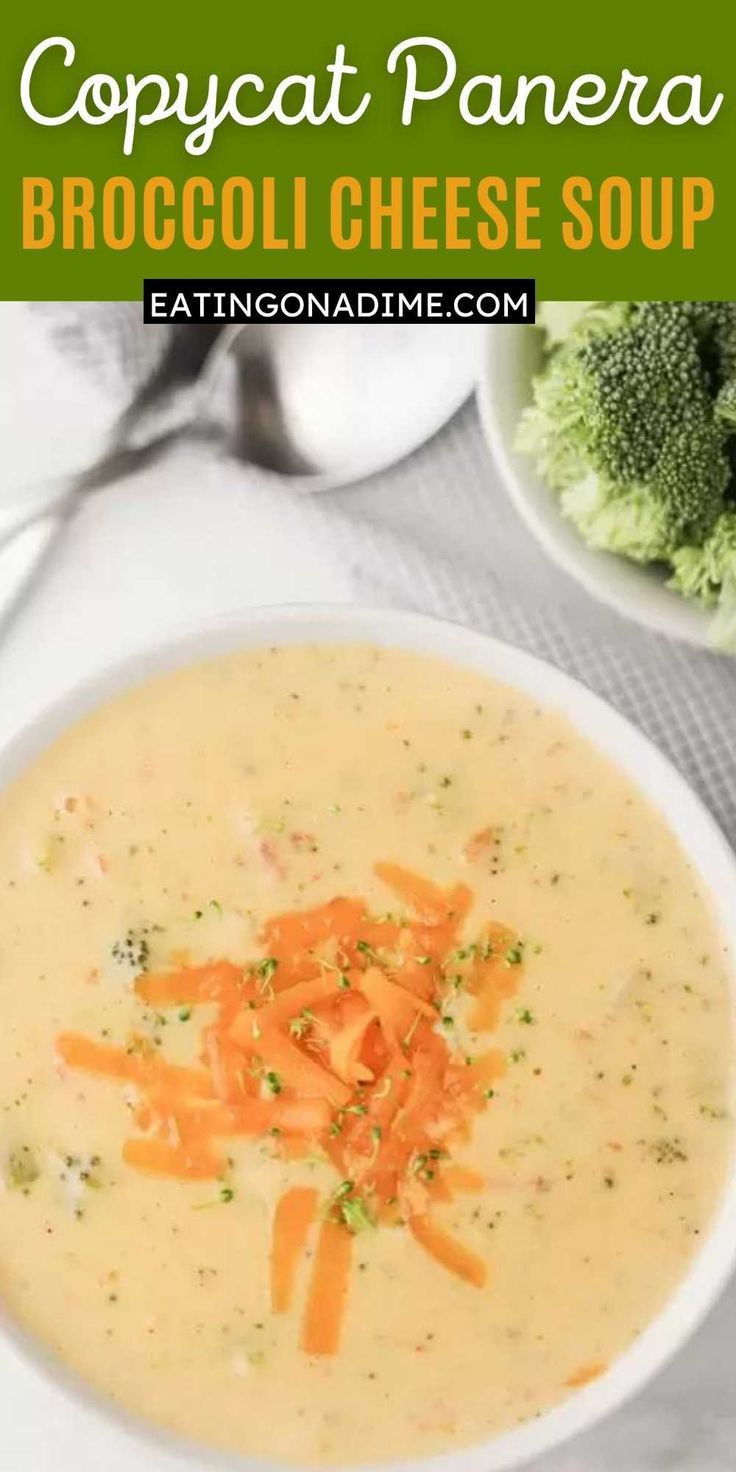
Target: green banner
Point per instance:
(590, 148)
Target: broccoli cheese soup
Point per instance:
(366, 1055)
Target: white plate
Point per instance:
(513, 355)
(50, 1421)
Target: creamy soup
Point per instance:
(366, 1055)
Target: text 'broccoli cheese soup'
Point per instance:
(366, 1055)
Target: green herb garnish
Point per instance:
(351, 1209)
(266, 969)
(301, 1024)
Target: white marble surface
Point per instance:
(197, 538)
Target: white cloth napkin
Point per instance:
(197, 537)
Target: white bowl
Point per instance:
(513, 356)
(101, 1438)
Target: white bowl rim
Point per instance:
(634, 590)
(704, 846)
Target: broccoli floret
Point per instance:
(550, 430)
(691, 576)
(708, 573)
(699, 571)
(628, 398)
(630, 523)
(691, 476)
(650, 416)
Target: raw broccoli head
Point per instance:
(628, 398)
(634, 386)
